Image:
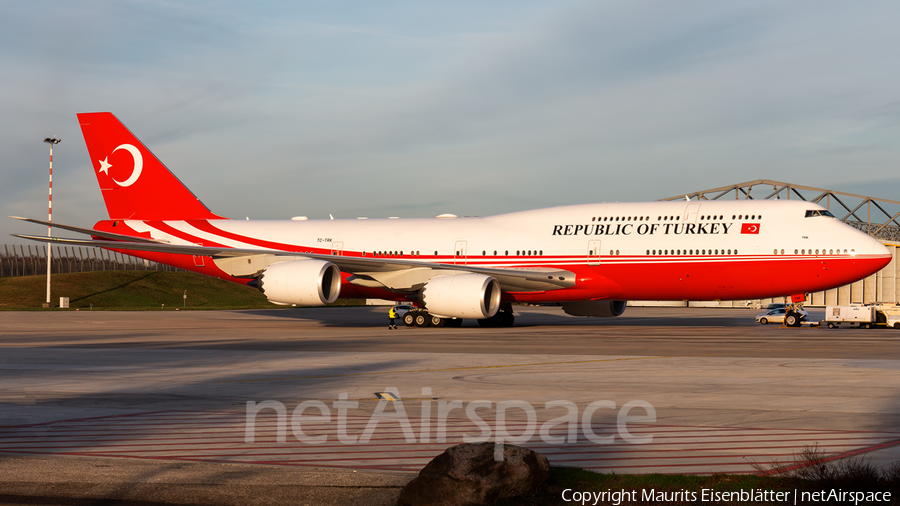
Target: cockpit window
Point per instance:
(818, 212)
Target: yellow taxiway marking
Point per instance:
(414, 371)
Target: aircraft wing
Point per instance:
(89, 231)
(393, 273)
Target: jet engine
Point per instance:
(462, 296)
(599, 308)
(302, 282)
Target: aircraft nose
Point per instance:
(878, 248)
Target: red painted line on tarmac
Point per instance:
(830, 458)
(651, 466)
(199, 431)
(399, 466)
(674, 457)
(197, 426)
(81, 435)
(80, 431)
(316, 448)
(72, 420)
(227, 461)
(398, 441)
(311, 459)
(701, 439)
(263, 421)
(677, 450)
(240, 417)
(306, 456)
(394, 442)
(370, 444)
(405, 455)
(118, 418)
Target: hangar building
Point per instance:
(875, 216)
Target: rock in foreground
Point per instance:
(468, 475)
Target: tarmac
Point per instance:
(328, 406)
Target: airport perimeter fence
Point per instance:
(30, 260)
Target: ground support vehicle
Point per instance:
(863, 316)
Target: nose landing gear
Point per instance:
(794, 315)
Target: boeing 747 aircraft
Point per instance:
(591, 258)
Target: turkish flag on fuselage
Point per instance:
(750, 228)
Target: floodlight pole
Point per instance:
(50, 140)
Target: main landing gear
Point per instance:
(421, 318)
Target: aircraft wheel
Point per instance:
(422, 319)
(409, 319)
(792, 320)
(763, 321)
(437, 321)
(507, 319)
(457, 322)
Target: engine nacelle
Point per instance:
(303, 282)
(462, 296)
(599, 308)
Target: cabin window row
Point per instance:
(691, 252)
(705, 217)
(822, 251)
(817, 252)
(634, 218)
(393, 253)
(620, 218)
(530, 252)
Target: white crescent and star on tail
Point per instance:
(138, 165)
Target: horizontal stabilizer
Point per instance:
(89, 231)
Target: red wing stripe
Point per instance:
(163, 227)
(209, 227)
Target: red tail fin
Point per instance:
(135, 184)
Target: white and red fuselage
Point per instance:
(670, 250)
(466, 267)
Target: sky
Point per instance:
(275, 109)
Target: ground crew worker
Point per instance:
(391, 315)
